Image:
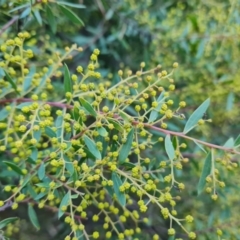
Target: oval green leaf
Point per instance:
(196, 116)
(10, 80)
(33, 217)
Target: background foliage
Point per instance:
(202, 36)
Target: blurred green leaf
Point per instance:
(25, 13)
(207, 167)
(200, 146)
(169, 147)
(102, 131)
(126, 147)
(14, 167)
(49, 132)
(37, 16)
(196, 116)
(10, 80)
(88, 107)
(236, 143)
(229, 143)
(71, 15)
(154, 113)
(64, 202)
(73, 5)
(117, 182)
(67, 80)
(51, 19)
(4, 114)
(6, 221)
(58, 124)
(92, 147)
(33, 216)
(230, 101)
(41, 171)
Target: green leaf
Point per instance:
(14, 167)
(169, 147)
(51, 20)
(230, 101)
(19, 7)
(64, 202)
(205, 172)
(25, 104)
(200, 146)
(88, 107)
(196, 116)
(34, 154)
(67, 80)
(68, 164)
(73, 5)
(58, 124)
(116, 124)
(49, 132)
(3, 114)
(92, 147)
(102, 131)
(117, 182)
(124, 116)
(25, 13)
(10, 80)
(71, 15)
(126, 147)
(37, 16)
(229, 143)
(37, 134)
(33, 216)
(154, 113)
(6, 221)
(236, 143)
(28, 79)
(41, 171)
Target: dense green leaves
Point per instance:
(207, 167)
(117, 182)
(92, 147)
(3, 114)
(126, 147)
(196, 116)
(33, 217)
(169, 147)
